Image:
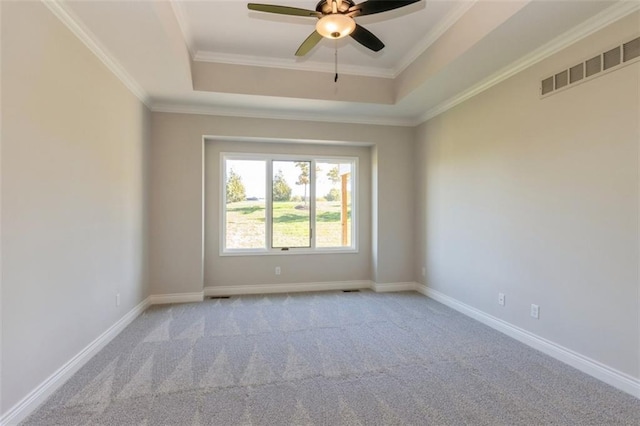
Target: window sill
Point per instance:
(290, 252)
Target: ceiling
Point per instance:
(268, 39)
(218, 57)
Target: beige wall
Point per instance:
(538, 199)
(176, 201)
(74, 148)
(281, 82)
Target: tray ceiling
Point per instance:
(217, 57)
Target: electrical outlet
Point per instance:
(424, 271)
(501, 299)
(278, 270)
(535, 311)
(117, 299)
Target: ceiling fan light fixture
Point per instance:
(335, 26)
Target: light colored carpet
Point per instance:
(326, 359)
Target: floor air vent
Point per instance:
(598, 65)
(218, 297)
(351, 291)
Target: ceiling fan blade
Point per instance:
(283, 10)
(366, 38)
(370, 7)
(309, 43)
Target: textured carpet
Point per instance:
(326, 359)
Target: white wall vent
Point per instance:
(593, 65)
(562, 79)
(598, 65)
(576, 73)
(611, 58)
(631, 49)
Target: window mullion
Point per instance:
(312, 203)
(223, 198)
(268, 223)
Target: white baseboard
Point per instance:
(387, 287)
(162, 299)
(235, 290)
(29, 403)
(611, 376)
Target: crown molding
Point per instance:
(274, 115)
(432, 36)
(78, 29)
(577, 33)
(290, 64)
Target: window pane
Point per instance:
(245, 204)
(333, 204)
(291, 216)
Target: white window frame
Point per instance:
(269, 158)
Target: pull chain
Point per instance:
(335, 79)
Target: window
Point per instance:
(273, 204)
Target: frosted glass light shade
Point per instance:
(335, 26)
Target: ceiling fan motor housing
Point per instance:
(324, 7)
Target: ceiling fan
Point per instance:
(335, 20)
